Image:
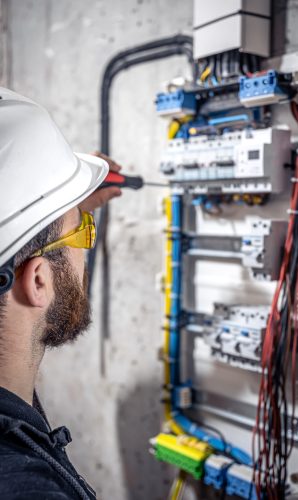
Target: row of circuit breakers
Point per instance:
(248, 161)
(234, 153)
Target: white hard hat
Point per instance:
(40, 177)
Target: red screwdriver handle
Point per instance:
(115, 179)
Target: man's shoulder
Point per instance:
(24, 475)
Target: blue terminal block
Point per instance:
(215, 471)
(182, 396)
(240, 482)
(263, 89)
(177, 104)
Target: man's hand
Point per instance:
(101, 196)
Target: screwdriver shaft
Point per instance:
(155, 184)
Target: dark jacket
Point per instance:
(33, 461)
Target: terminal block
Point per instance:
(182, 396)
(188, 454)
(176, 104)
(247, 161)
(215, 470)
(265, 88)
(240, 482)
(235, 334)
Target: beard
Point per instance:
(69, 314)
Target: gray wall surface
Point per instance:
(58, 53)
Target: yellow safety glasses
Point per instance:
(83, 236)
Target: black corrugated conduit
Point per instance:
(148, 52)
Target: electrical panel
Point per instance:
(223, 26)
(244, 161)
(230, 166)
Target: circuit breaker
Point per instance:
(235, 334)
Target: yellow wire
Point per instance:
(205, 74)
(178, 486)
(175, 428)
(176, 124)
(173, 129)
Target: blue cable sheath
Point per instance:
(218, 444)
(176, 291)
(228, 119)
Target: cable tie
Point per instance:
(294, 179)
(291, 211)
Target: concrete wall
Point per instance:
(4, 50)
(58, 52)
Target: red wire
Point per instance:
(266, 467)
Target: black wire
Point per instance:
(214, 66)
(215, 431)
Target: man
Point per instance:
(47, 193)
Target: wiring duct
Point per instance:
(152, 51)
(177, 422)
(274, 429)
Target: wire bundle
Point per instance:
(274, 428)
(227, 65)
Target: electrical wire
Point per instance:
(205, 74)
(215, 431)
(294, 109)
(178, 486)
(274, 430)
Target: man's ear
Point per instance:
(36, 281)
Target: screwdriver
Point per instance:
(127, 181)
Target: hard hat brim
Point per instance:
(89, 174)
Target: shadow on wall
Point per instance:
(139, 419)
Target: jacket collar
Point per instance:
(13, 406)
(15, 413)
